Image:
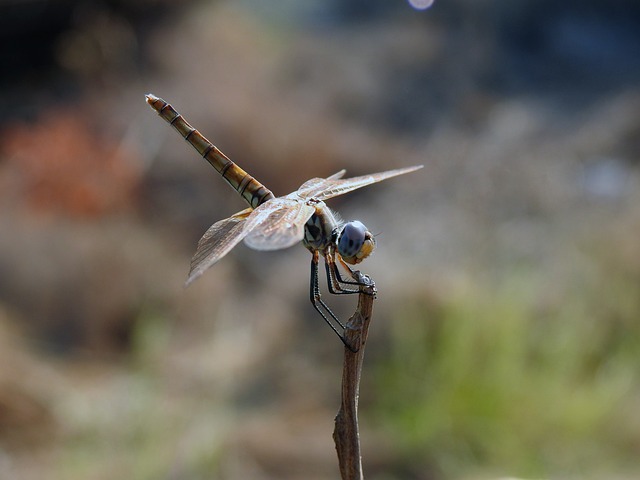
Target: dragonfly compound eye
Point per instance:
(355, 242)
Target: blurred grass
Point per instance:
(496, 379)
(136, 422)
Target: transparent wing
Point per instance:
(322, 189)
(337, 175)
(312, 185)
(277, 224)
(221, 237)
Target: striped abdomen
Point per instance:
(251, 190)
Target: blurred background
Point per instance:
(506, 335)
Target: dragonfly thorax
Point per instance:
(318, 231)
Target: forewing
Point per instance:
(334, 187)
(310, 187)
(221, 237)
(277, 224)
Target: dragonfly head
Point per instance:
(355, 242)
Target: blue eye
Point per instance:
(351, 239)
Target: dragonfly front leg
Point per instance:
(335, 281)
(317, 302)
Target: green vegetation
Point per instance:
(500, 380)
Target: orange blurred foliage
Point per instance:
(59, 165)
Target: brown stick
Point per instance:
(345, 433)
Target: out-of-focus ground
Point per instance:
(506, 335)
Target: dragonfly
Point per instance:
(273, 223)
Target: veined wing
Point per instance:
(277, 224)
(313, 184)
(221, 237)
(322, 189)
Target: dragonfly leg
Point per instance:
(335, 281)
(319, 305)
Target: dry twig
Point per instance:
(345, 433)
